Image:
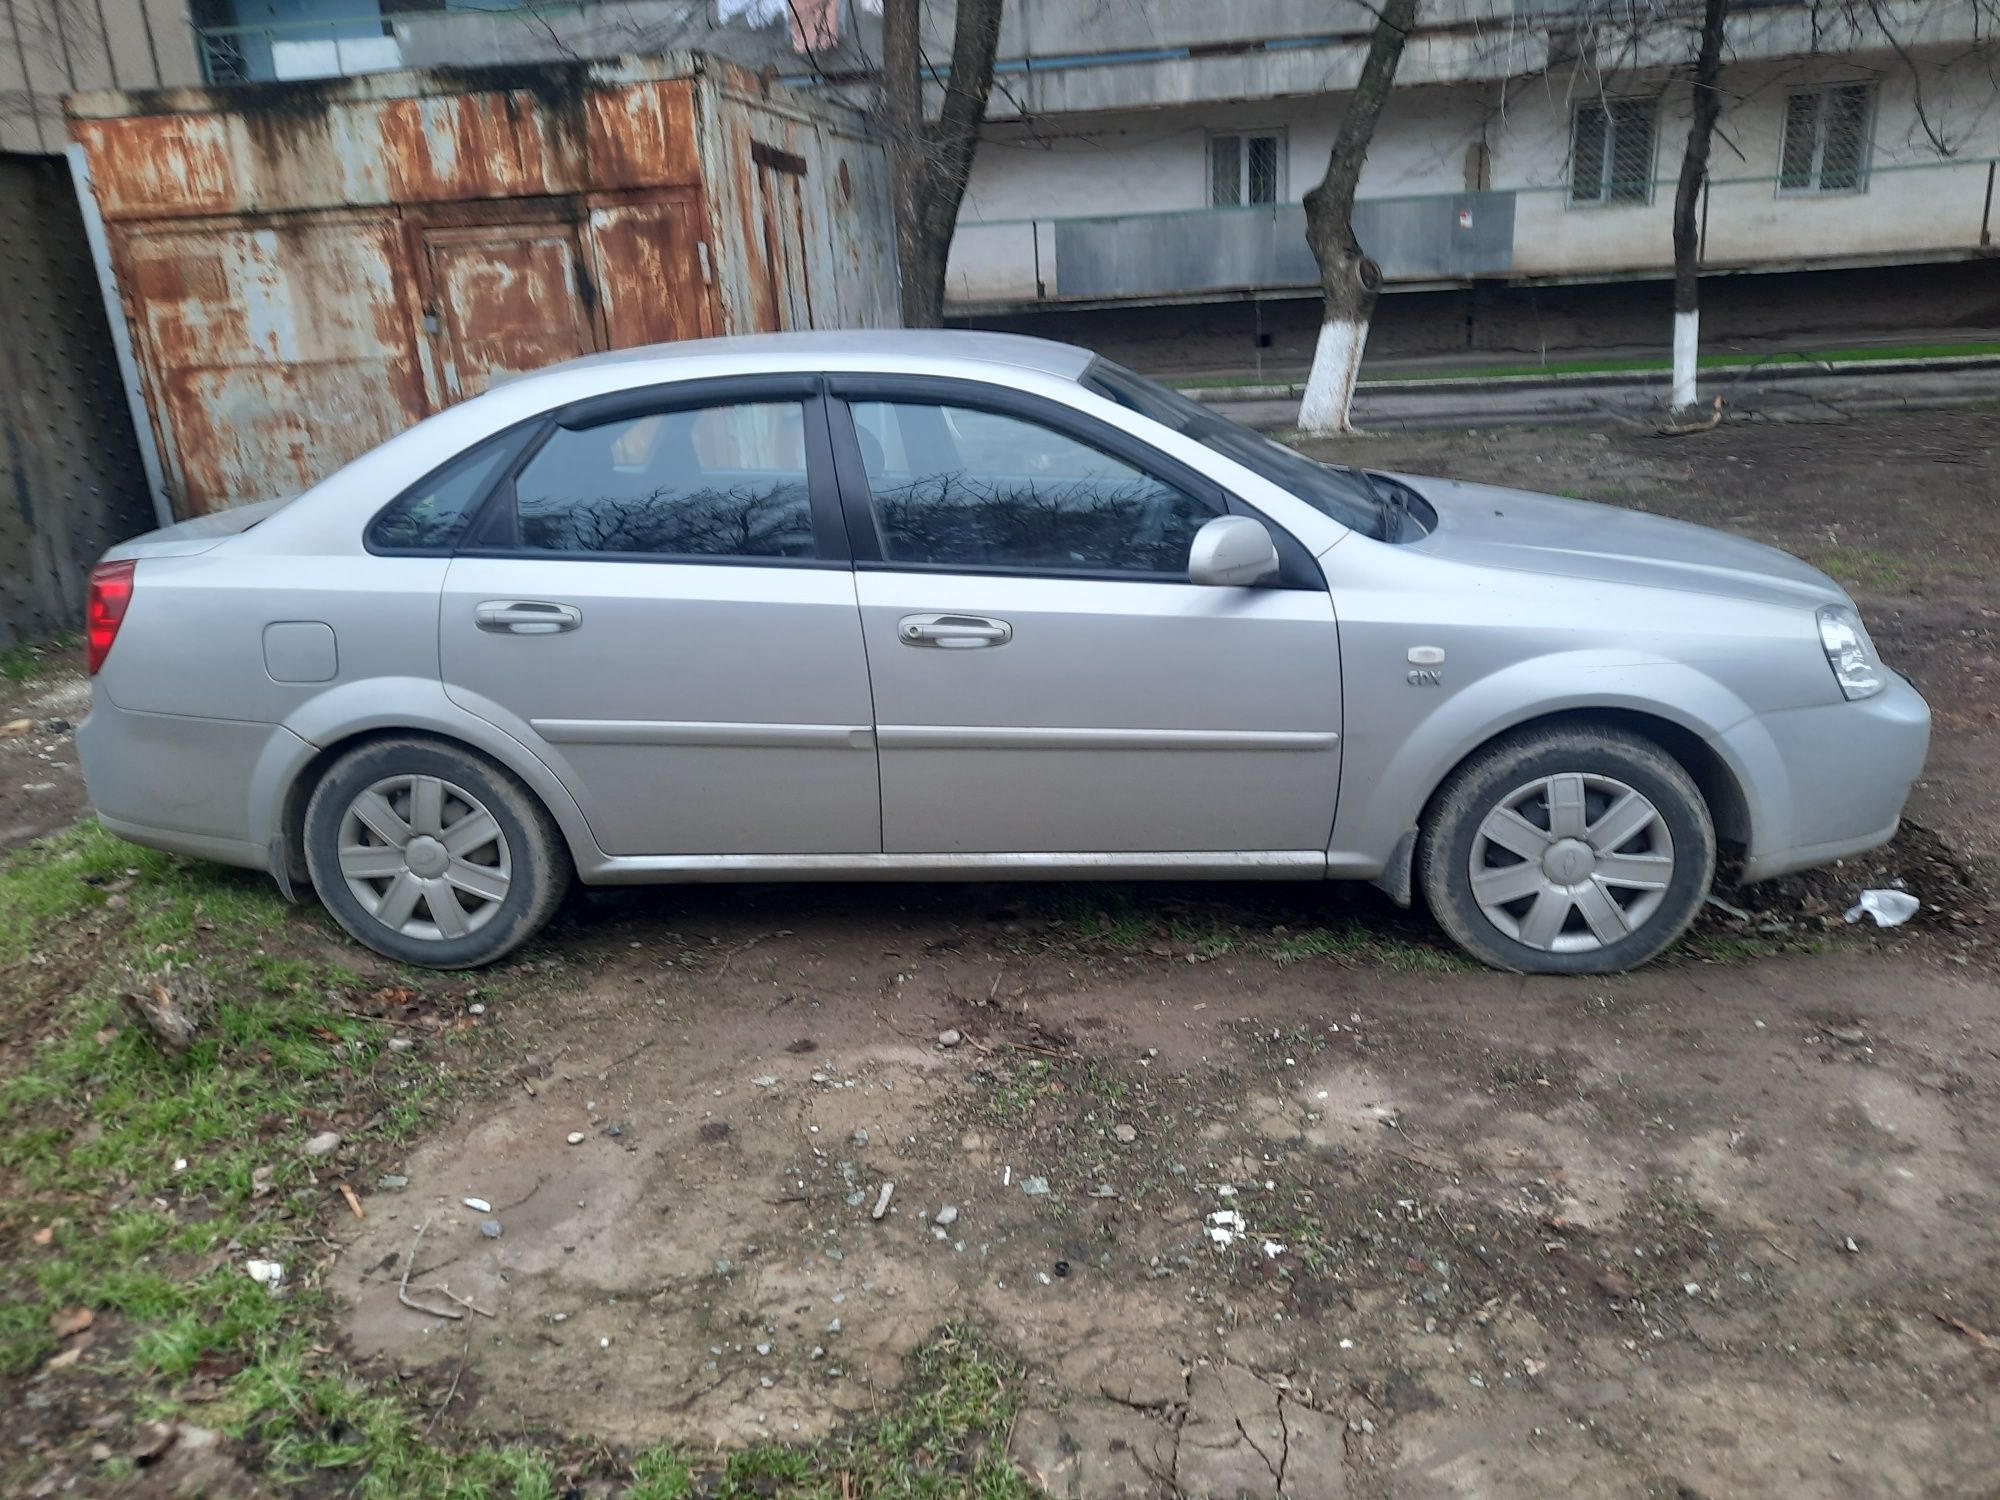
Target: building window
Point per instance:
(1826, 140)
(1611, 151)
(1245, 169)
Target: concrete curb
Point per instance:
(1793, 370)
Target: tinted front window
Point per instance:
(715, 481)
(1345, 495)
(432, 516)
(956, 486)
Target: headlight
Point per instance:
(1849, 651)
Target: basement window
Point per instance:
(1611, 151)
(1826, 140)
(1246, 169)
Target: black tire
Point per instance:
(528, 849)
(1445, 848)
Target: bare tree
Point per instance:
(1349, 279)
(1707, 105)
(930, 160)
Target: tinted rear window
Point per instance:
(433, 514)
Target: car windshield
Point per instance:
(1347, 495)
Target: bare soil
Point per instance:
(1707, 1229)
(41, 788)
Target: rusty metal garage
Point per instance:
(309, 268)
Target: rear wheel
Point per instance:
(1567, 851)
(432, 855)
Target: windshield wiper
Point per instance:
(1395, 502)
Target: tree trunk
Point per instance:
(1348, 277)
(930, 162)
(1687, 203)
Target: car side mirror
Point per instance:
(1232, 552)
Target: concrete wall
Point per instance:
(1523, 324)
(1915, 203)
(71, 482)
(54, 47)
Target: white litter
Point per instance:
(1888, 908)
(478, 1205)
(1272, 1249)
(1225, 1227)
(266, 1272)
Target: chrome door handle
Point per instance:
(953, 632)
(526, 617)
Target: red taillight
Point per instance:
(110, 592)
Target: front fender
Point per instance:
(1390, 770)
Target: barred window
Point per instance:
(1611, 151)
(1826, 140)
(1245, 169)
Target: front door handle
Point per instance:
(526, 617)
(953, 632)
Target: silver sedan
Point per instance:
(963, 606)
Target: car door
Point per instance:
(657, 598)
(1046, 678)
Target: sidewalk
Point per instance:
(1630, 360)
(1791, 389)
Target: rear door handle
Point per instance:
(953, 632)
(526, 617)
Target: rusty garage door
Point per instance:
(308, 269)
(500, 298)
(272, 354)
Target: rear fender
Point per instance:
(416, 705)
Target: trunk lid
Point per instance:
(196, 535)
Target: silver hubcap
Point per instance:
(1571, 863)
(424, 857)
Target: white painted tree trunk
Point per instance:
(1687, 344)
(1330, 388)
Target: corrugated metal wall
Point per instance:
(310, 268)
(71, 482)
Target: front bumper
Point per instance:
(1828, 781)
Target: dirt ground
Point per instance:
(41, 789)
(1273, 1195)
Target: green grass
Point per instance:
(144, 1172)
(1015, 1096)
(26, 663)
(1629, 365)
(1864, 567)
(1136, 919)
(1356, 942)
(1712, 947)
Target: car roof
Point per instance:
(886, 349)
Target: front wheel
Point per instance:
(1567, 851)
(433, 855)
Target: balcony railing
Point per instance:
(329, 46)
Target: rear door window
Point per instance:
(723, 481)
